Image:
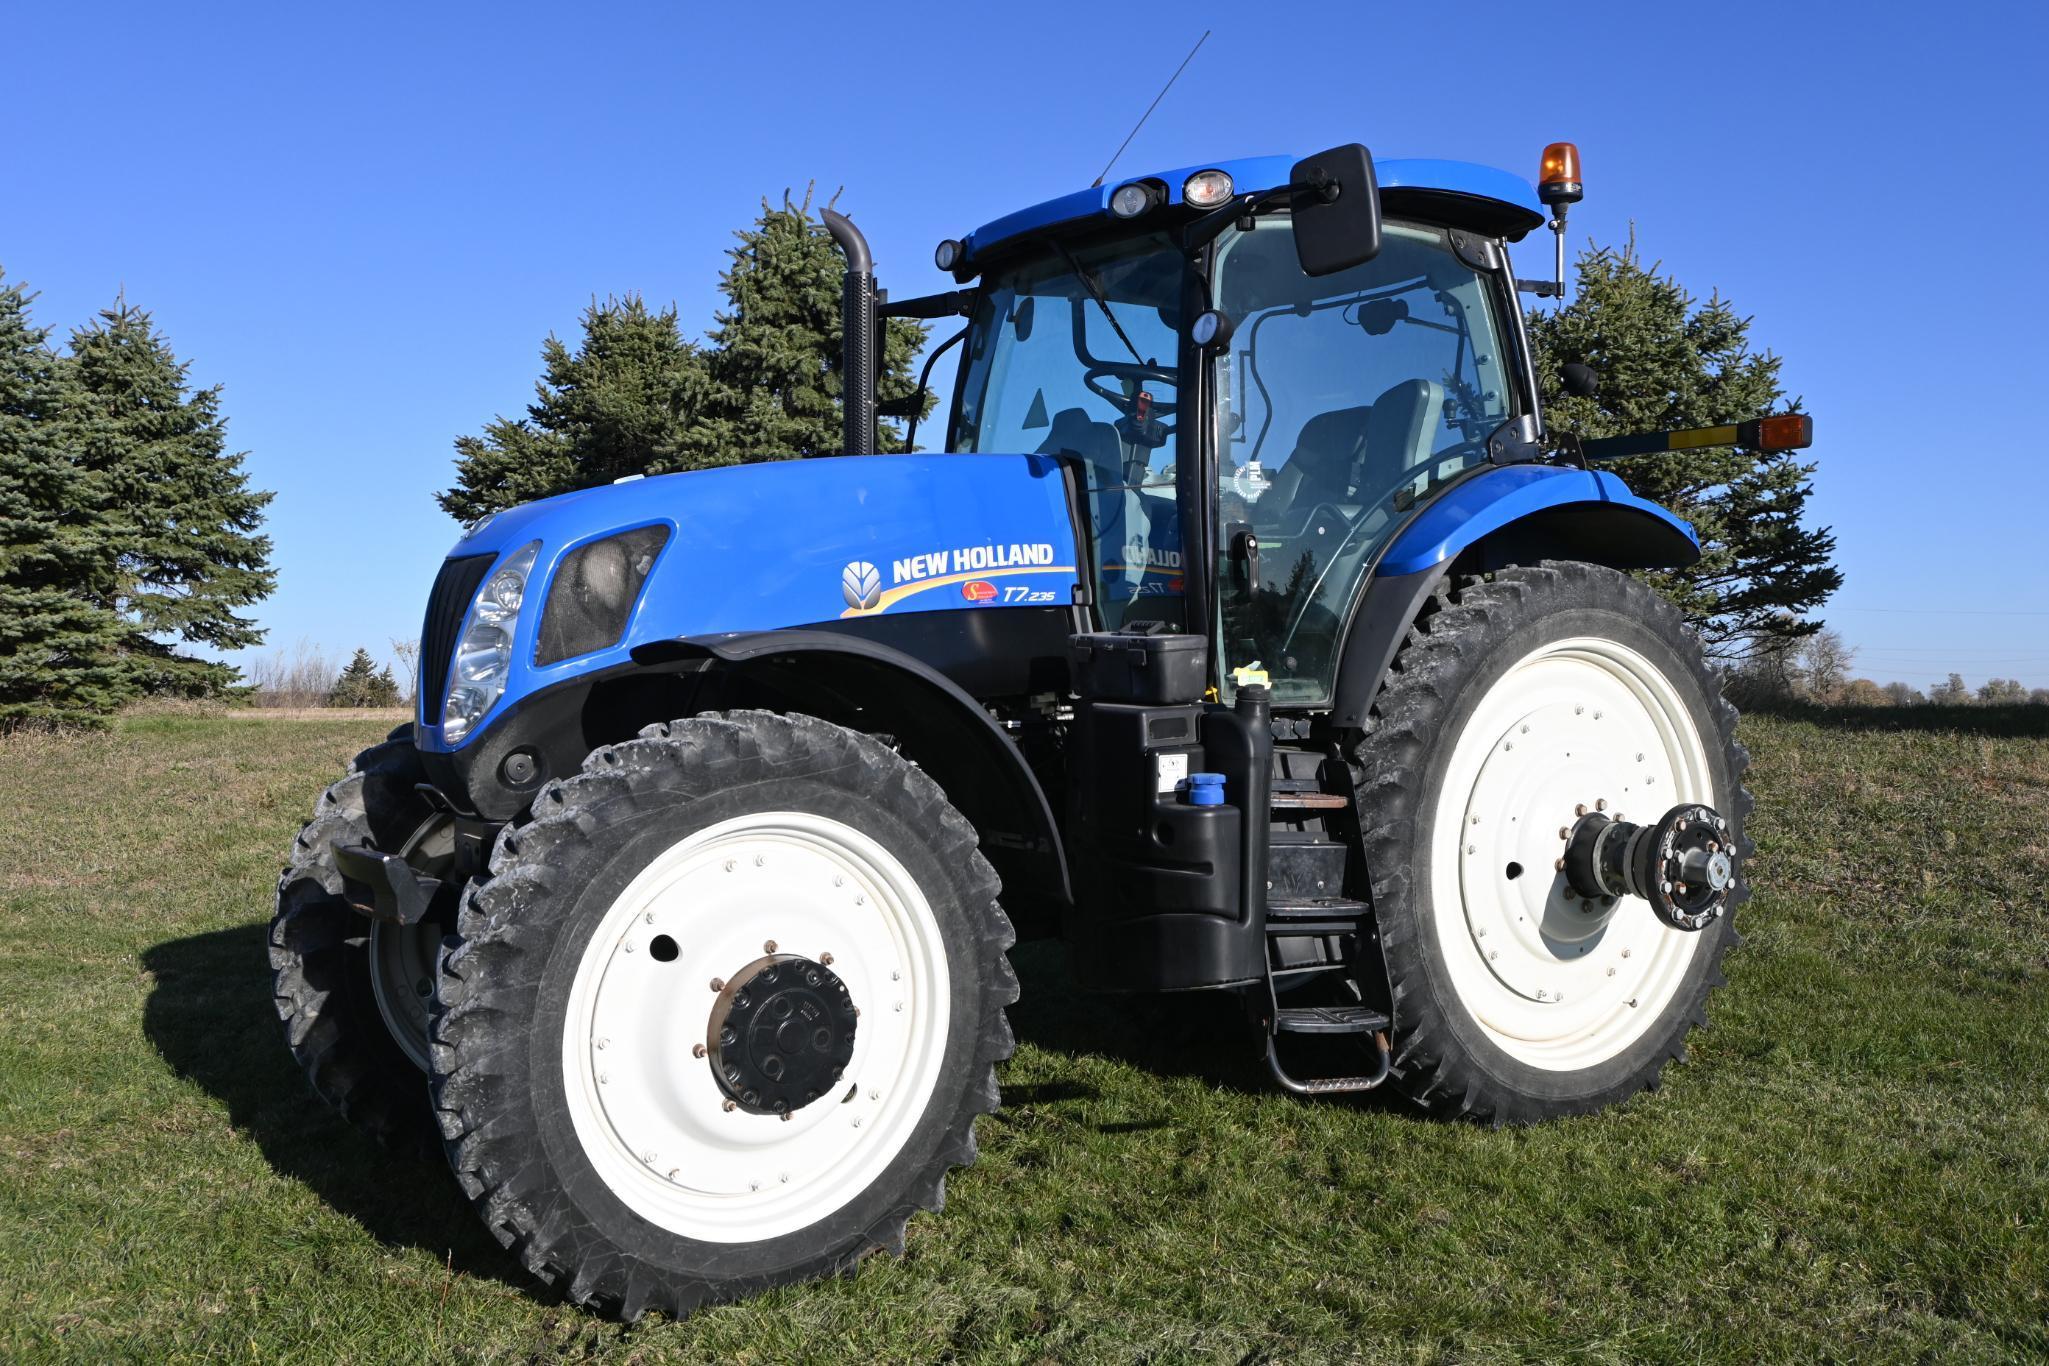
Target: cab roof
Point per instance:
(1462, 193)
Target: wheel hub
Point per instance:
(781, 1034)
(1683, 865)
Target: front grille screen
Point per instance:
(454, 586)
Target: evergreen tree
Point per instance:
(1666, 361)
(630, 399)
(56, 648)
(636, 397)
(775, 352)
(363, 684)
(174, 504)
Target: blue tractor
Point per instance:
(1252, 635)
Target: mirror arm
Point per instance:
(1211, 225)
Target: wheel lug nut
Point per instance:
(718, 984)
(1580, 810)
(1558, 865)
(1565, 832)
(825, 960)
(729, 1105)
(1600, 804)
(768, 946)
(697, 1050)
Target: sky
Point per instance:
(362, 220)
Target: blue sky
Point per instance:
(362, 220)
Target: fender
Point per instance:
(936, 722)
(1513, 514)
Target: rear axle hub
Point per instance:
(1684, 864)
(781, 1034)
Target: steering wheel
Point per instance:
(1094, 376)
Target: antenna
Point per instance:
(1154, 105)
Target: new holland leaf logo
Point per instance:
(861, 585)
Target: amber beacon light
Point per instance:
(1558, 181)
(1559, 186)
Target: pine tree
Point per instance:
(363, 684)
(1666, 361)
(175, 506)
(636, 397)
(775, 352)
(56, 648)
(630, 399)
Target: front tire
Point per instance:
(652, 897)
(352, 994)
(1516, 702)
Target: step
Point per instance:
(1309, 801)
(1293, 915)
(1329, 1020)
(1302, 865)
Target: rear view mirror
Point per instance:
(1337, 214)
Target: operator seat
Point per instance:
(1355, 455)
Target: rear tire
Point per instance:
(1514, 1000)
(592, 1139)
(332, 972)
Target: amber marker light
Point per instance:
(1786, 432)
(1558, 180)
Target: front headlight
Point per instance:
(483, 657)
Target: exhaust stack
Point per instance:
(860, 346)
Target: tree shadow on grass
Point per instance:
(209, 1014)
(2019, 721)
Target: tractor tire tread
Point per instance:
(496, 951)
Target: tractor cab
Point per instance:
(1251, 434)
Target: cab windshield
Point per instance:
(1074, 351)
(1341, 402)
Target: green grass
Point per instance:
(1855, 1164)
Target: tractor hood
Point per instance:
(757, 547)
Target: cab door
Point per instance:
(1343, 402)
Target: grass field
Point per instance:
(1854, 1165)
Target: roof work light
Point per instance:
(1206, 189)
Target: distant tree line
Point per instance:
(127, 527)
(1814, 669)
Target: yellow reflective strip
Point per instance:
(898, 594)
(1701, 436)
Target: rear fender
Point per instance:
(1517, 514)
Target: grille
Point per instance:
(454, 586)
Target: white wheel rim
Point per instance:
(651, 1117)
(1555, 981)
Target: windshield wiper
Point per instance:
(1095, 289)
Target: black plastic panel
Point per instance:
(447, 604)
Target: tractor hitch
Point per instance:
(1684, 864)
